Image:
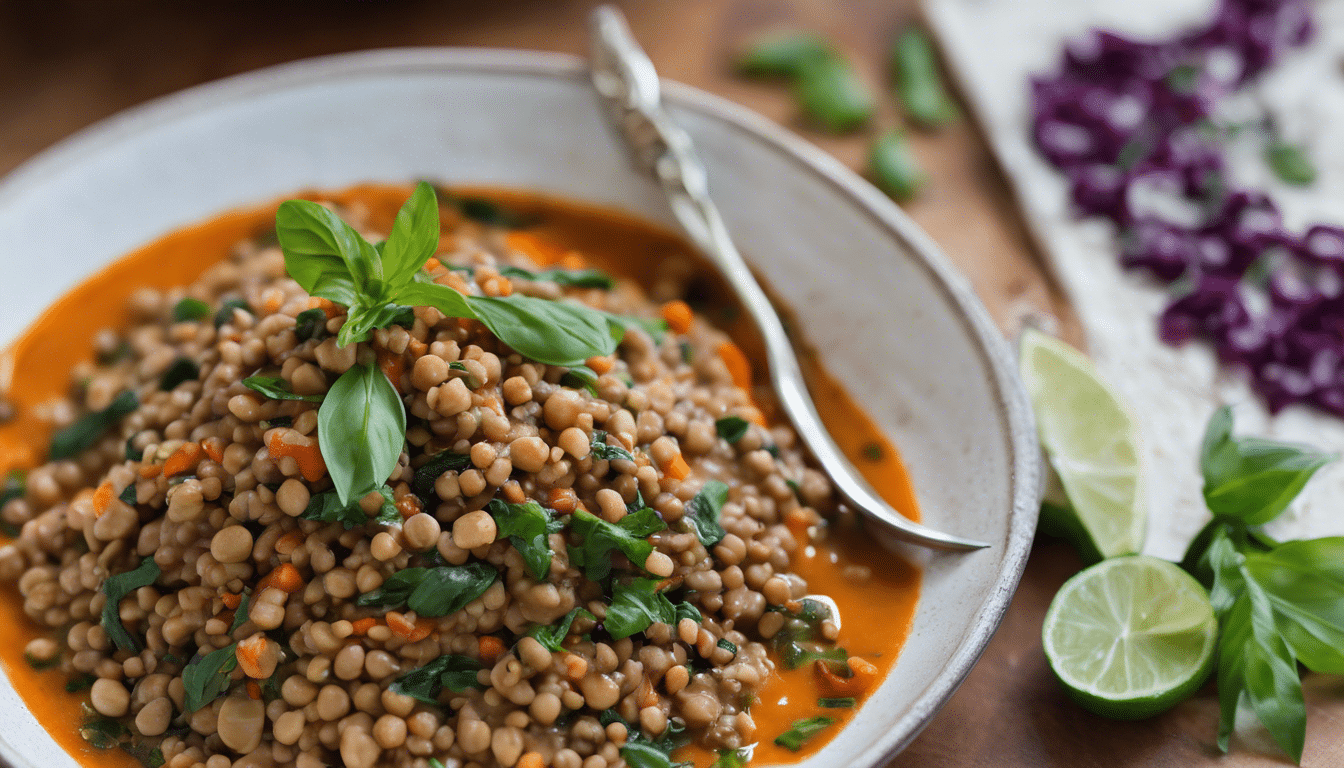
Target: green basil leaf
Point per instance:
(180, 370)
(361, 428)
(1290, 163)
(528, 526)
(702, 513)
(225, 313)
(601, 450)
(688, 611)
(803, 731)
(448, 589)
(551, 332)
(324, 254)
(361, 319)
(846, 702)
(638, 753)
(103, 732)
(395, 590)
(207, 678)
(118, 587)
(894, 167)
(919, 84)
(80, 683)
(414, 236)
(447, 300)
(574, 278)
(783, 55)
(792, 655)
(553, 636)
(277, 388)
(1249, 478)
(600, 537)
(422, 483)
(89, 428)
(655, 328)
(456, 673)
(127, 495)
(732, 758)
(833, 95)
(13, 488)
(732, 428)
(310, 324)
(327, 507)
(635, 605)
(580, 377)
(1255, 664)
(188, 309)
(489, 213)
(240, 615)
(1304, 583)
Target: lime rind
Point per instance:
(1131, 636)
(1092, 442)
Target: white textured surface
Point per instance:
(891, 319)
(994, 46)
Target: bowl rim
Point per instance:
(992, 348)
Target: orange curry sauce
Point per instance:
(876, 615)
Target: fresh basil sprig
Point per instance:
(377, 283)
(327, 507)
(422, 482)
(1249, 478)
(629, 535)
(456, 673)
(432, 592)
(528, 526)
(574, 278)
(117, 587)
(552, 636)
(635, 605)
(277, 388)
(361, 428)
(702, 513)
(732, 428)
(207, 678)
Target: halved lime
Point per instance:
(1131, 636)
(1091, 440)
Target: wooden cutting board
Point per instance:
(67, 63)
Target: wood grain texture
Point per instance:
(67, 63)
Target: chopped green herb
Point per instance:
(41, 664)
(803, 731)
(276, 388)
(728, 646)
(432, 592)
(1290, 163)
(688, 611)
(574, 278)
(731, 758)
(687, 352)
(310, 324)
(278, 421)
(471, 381)
(133, 453)
(640, 752)
(128, 495)
(117, 587)
(456, 673)
(796, 488)
(919, 84)
(180, 370)
(240, 615)
(80, 683)
(601, 450)
(327, 507)
(434, 763)
(732, 428)
(225, 313)
(833, 95)
(553, 636)
(580, 377)
(489, 213)
(189, 309)
(873, 451)
(89, 428)
(635, 605)
(422, 483)
(702, 512)
(528, 526)
(103, 732)
(207, 678)
(846, 702)
(894, 167)
(783, 55)
(629, 535)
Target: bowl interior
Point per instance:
(888, 316)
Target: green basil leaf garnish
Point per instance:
(688, 611)
(225, 313)
(601, 450)
(553, 636)
(89, 428)
(599, 538)
(580, 377)
(422, 482)
(732, 428)
(574, 278)
(432, 592)
(803, 731)
(635, 605)
(415, 234)
(456, 673)
(117, 587)
(310, 324)
(528, 526)
(702, 513)
(919, 84)
(833, 95)
(180, 370)
(207, 678)
(783, 55)
(327, 507)
(277, 388)
(361, 428)
(845, 702)
(128, 495)
(894, 167)
(728, 645)
(80, 683)
(189, 309)
(1249, 478)
(732, 758)
(551, 332)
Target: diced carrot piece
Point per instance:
(543, 252)
(408, 505)
(738, 366)
(562, 500)
(214, 448)
(150, 470)
(797, 521)
(575, 666)
(491, 648)
(183, 460)
(231, 601)
(102, 498)
(399, 624)
(677, 468)
(531, 760)
(327, 306)
(573, 260)
(253, 690)
(284, 577)
(305, 452)
(503, 286)
(362, 626)
(417, 348)
(249, 653)
(513, 493)
(274, 302)
(392, 365)
(678, 316)
(423, 628)
(863, 676)
(600, 365)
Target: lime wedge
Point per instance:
(1091, 441)
(1131, 637)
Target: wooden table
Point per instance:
(67, 63)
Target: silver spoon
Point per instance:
(628, 85)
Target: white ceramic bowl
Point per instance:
(892, 319)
